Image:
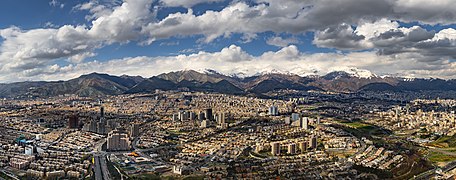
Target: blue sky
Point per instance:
(62, 39)
(44, 13)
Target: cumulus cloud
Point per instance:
(186, 3)
(30, 50)
(372, 26)
(281, 42)
(341, 37)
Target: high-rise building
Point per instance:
(201, 116)
(183, 115)
(29, 150)
(134, 130)
(175, 117)
(91, 126)
(102, 113)
(273, 111)
(118, 141)
(275, 148)
(101, 126)
(305, 123)
(292, 148)
(204, 124)
(221, 118)
(294, 116)
(209, 115)
(297, 123)
(192, 116)
(287, 120)
(73, 121)
(303, 146)
(313, 142)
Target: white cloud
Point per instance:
(186, 3)
(33, 49)
(55, 3)
(347, 25)
(281, 42)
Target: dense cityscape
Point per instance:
(204, 135)
(227, 89)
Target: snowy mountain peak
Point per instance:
(355, 72)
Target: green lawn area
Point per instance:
(356, 125)
(445, 142)
(439, 157)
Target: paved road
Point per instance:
(97, 168)
(100, 164)
(101, 167)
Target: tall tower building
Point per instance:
(209, 115)
(275, 148)
(102, 112)
(305, 123)
(303, 146)
(118, 141)
(93, 126)
(273, 111)
(201, 116)
(294, 116)
(204, 124)
(101, 127)
(221, 118)
(73, 121)
(292, 148)
(313, 142)
(134, 130)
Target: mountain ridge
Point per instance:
(99, 84)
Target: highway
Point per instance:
(97, 168)
(100, 165)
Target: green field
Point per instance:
(439, 157)
(357, 125)
(445, 142)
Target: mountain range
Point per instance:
(96, 84)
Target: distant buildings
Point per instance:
(275, 148)
(118, 141)
(305, 123)
(101, 126)
(221, 118)
(294, 116)
(73, 121)
(134, 130)
(29, 150)
(201, 116)
(273, 111)
(102, 112)
(303, 146)
(292, 148)
(313, 142)
(208, 114)
(204, 124)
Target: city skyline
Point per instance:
(66, 39)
